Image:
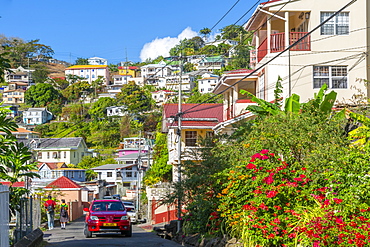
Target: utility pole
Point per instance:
(179, 149)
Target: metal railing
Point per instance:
(4, 216)
(28, 217)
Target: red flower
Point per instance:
(338, 201)
(302, 176)
(304, 168)
(268, 180)
(256, 156)
(277, 220)
(271, 194)
(264, 157)
(271, 235)
(264, 151)
(263, 206)
(277, 207)
(250, 166)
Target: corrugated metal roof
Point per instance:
(208, 114)
(70, 142)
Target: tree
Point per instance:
(41, 95)
(99, 108)
(188, 67)
(97, 85)
(82, 61)
(205, 32)
(4, 66)
(15, 160)
(160, 170)
(135, 98)
(74, 91)
(40, 75)
(58, 83)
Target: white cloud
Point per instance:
(162, 46)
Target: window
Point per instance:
(210, 134)
(65, 155)
(333, 76)
(72, 174)
(39, 155)
(338, 25)
(55, 155)
(109, 174)
(80, 176)
(48, 155)
(129, 172)
(190, 138)
(93, 76)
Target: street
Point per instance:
(73, 236)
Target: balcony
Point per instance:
(277, 44)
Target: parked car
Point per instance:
(130, 207)
(107, 215)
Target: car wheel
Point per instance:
(87, 233)
(127, 233)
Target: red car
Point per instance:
(107, 216)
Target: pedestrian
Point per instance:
(50, 207)
(63, 214)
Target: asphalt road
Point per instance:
(73, 236)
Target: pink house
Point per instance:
(71, 192)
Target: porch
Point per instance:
(277, 44)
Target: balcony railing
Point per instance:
(277, 44)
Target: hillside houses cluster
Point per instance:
(335, 54)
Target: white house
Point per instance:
(334, 54)
(207, 83)
(162, 96)
(36, 116)
(19, 74)
(154, 74)
(116, 111)
(97, 61)
(68, 150)
(89, 73)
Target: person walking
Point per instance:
(50, 207)
(63, 214)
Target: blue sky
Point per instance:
(112, 29)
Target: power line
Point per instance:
(225, 15)
(279, 54)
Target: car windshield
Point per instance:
(107, 206)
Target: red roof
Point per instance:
(208, 114)
(16, 184)
(129, 67)
(270, 1)
(63, 183)
(239, 71)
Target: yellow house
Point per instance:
(128, 71)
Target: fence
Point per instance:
(28, 217)
(4, 216)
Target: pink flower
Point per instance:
(256, 156)
(298, 179)
(271, 194)
(263, 206)
(265, 157)
(268, 180)
(277, 220)
(264, 151)
(302, 176)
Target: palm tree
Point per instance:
(205, 32)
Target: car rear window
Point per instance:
(107, 206)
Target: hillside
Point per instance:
(56, 70)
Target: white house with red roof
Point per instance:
(196, 124)
(335, 53)
(162, 96)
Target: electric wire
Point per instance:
(286, 49)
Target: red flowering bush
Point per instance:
(266, 202)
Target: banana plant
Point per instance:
(361, 135)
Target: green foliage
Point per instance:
(82, 61)
(41, 95)
(136, 98)
(40, 75)
(160, 170)
(74, 91)
(99, 108)
(4, 66)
